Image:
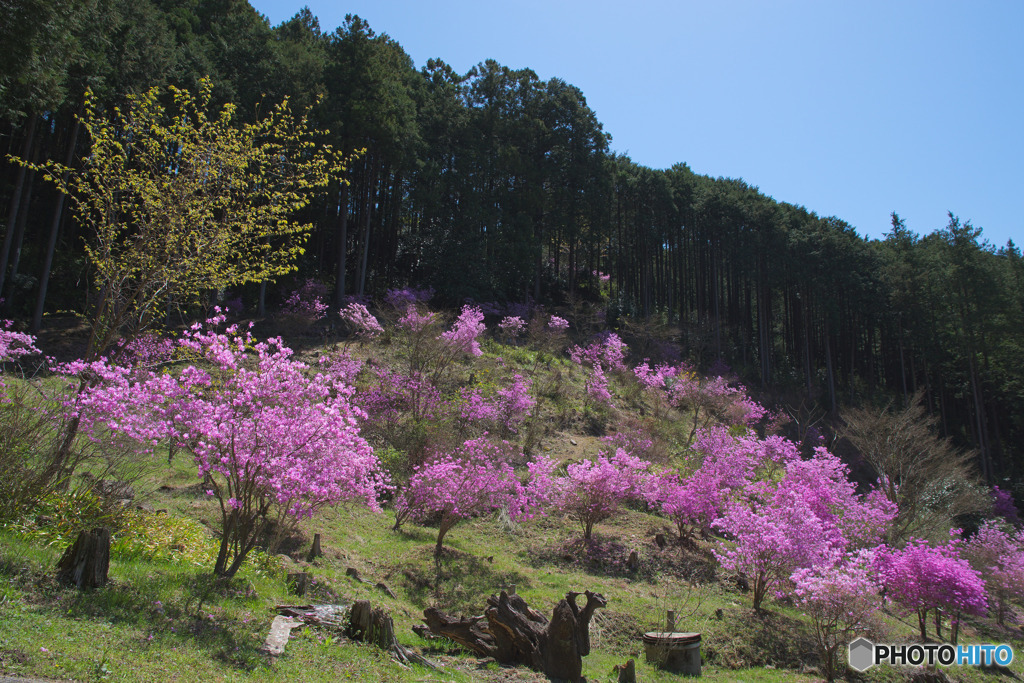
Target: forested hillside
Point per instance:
(496, 186)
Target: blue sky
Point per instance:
(852, 109)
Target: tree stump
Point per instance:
(514, 633)
(298, 582)
(374, 625)
(315, 551)
(86, 563)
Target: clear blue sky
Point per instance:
(853, 109)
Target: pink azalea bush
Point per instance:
(463, 335)
(923, 578)
(364, 323)
(810, 515)
(840, 598)
(270, 438)
(557, 324)
(997, 554)
(594, 490)
(475, 480)
(511, 327)
(305, 305)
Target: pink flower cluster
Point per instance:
(997, 554)
(512, 326)
(807, 518)
(557, 324)
(463, 335)
(306, 302)
(265, 432)
(15, 344)
(593, 490)
(365, 324)
(402, 298)
(475, 480)
(923, 577)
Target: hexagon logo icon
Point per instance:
(862, 654)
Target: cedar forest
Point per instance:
(766, 331)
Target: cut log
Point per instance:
(514, 633)
(86, 563)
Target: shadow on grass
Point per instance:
(180, 606)
(610, 557)
(455, 582)
(745, 638)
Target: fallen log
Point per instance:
(515, 633)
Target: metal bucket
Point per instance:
(675, 652)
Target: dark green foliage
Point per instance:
(497, 185)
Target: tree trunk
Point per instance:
(19, 185)
(58, 211)
(517, 634)
(339, 280)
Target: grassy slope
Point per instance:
(164, 621)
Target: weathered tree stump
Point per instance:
(86, 563)
(514, 633)
(626, 672)
(374, 625)
(298, 582)
(315, 551)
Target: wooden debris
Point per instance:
(633, 561)
(514, 633)
(280, 632)
(361, 622)
(387, 591)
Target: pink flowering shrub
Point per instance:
(840, 598)
(594, 490)
(270, 439)
(15, 344)
(722, 465)
(305, 305)
(463, 335)
(557, 324)
(474, 481)
(922, 578)
(997, 553)
(608, 351)
(361, 320)
(402, 298)
(415, 321)
(511, 327)
(707, 399)
(1003, 505)
(770, 543)
(812, 513)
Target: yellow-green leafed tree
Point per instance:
(178, 201)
